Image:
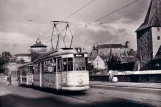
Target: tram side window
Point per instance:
(59, 64)
(37, 68)
(53, 64)
(70, 64)
(50, 67)
(64, 64)
(31, 70)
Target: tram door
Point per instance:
(59, 73)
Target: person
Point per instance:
(7, 80)
(10, 80)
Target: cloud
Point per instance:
(15, 27)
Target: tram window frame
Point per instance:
(78, 67)
(68, 64)
(59, 64)
(37, 71)
(53, 64)
(44, 66)
(86, 62)
(64, 64)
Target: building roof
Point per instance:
(153, 16)
(158, 55)
(38, 45)
(128, 59)
(22, 55)
(111, 46)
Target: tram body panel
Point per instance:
(36, 80)
(58, 80)
(29, 79)
(23, 79)
(75, 80)
(49, 80)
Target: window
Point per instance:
(67, 64)
(86, 61)
(37, 66)
(70, 64)
(158, 29)
(79, 63)
(53, 64)
(140, 48)
(64, 64)
(158, 37)
(59, 63)
(44, 66)
(142, 56)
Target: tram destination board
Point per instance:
(78, 55)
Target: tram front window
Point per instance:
(79, 64)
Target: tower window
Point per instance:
(158, 37)
(158, 29)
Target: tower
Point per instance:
(149, 34)
(127, 44)
(38, 47)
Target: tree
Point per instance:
(34, 55)
(114, 62)
(4, 59)
(2, 63)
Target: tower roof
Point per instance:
(38, 44)
(153, 16)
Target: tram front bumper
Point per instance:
(75, 88)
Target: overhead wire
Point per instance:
(70, 15)
(106, 15)
(16, 10)
(127, 15)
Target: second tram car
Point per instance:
(25, 74)
(65, 69)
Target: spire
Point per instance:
(153, 16)
(38, 40)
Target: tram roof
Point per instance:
(62, 51)
(27, 64)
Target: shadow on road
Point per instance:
(57, 92)
(12, 100)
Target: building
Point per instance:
(115, 49)
(100, 62)
(23, 58)
(106, 50)
(38, 47)
(102, 54)
(149, 36)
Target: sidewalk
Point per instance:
(3, 80)
(127, 84)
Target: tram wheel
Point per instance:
(84, 91)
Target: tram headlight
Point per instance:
(80, 81)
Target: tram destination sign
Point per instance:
(78, 55)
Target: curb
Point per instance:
(125, 86)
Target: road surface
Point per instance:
(97, 96)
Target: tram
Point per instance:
(25, 74)
(64, 69)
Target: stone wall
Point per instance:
(144, 47)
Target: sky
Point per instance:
(17, 34)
